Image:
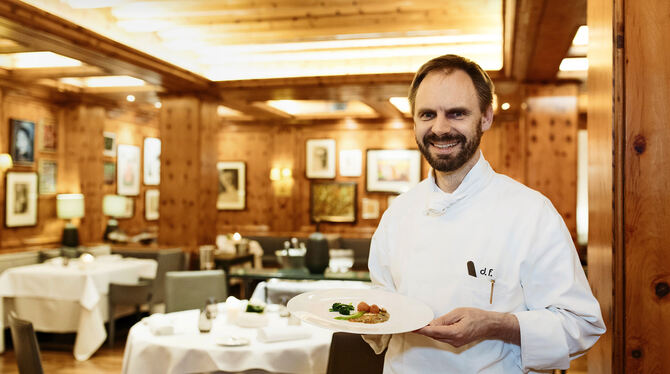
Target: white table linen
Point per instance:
(56, 298)
(280, 291)
(189, 351)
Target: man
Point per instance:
(491, 257)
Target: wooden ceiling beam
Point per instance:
(60, 72)
(38, 29)
(543, 33)
(383, 107)
(8, 49)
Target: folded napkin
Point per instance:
(159, 324)
(283, 333)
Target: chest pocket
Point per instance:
(499, 296)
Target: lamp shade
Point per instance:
(70, 205)
(114, 205)
(5, 161)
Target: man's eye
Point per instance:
(426, 116)
(457, 115)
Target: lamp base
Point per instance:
(70, 236)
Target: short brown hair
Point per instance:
(449, 63)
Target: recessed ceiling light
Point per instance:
(505, 106)
(158, 104)
(130, 98)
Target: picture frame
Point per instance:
(392, 170)
(369, 208)
(109, 144)
(48, 176)
(48, 135)
(351, 161)
(320, 158)
(152, 161)
(333, 202)
(151, 204)
(128, 170)
(22, 146)
(231, 185)
(20, 199)
(109, 172)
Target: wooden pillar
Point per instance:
(551, 145)
(188, 127)
(82, 171)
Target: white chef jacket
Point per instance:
(514, 236)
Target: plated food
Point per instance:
(364, 313)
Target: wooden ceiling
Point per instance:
(245, 51)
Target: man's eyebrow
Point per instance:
(458, 109)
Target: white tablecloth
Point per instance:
(189, 351)
(280, 291)
(50, 294)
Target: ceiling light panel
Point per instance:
(322, 108)
(27, 60)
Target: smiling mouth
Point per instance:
(444, 146)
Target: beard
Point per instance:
(448, 163)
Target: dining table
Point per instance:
(69, 295)
(229, 347)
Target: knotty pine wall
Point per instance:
(130, 126)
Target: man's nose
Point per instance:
(441, 126)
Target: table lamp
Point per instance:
(113, 206)
(69, 206)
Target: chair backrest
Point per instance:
(27, 351)
(186, 290)
(168, 260)
(350, 354)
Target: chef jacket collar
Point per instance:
(477, 178)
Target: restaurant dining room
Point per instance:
(334, 186)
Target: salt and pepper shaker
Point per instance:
(207, 315)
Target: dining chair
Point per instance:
(26, 349)
(186, 290)
(168, 260)
(350, 354)
(136, 294)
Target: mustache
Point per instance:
(432, 138)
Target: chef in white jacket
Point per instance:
(491, 257)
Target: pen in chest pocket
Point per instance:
(493, 282)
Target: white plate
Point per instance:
(232, 341)
(406, 314)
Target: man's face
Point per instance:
(448, 122)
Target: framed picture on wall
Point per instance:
(151, 203)
(22, 145)
(128, 170)
(48, 135)
(152, 161)
(370, 208)
(350, 162)
(109, 144)
(48, 173)
(20, 199)
(333, 202)
(392, 170)
(109, 170)
(320, 158)
(232, 185)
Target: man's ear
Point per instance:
(487, 118)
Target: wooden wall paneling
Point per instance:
(131, 127)
(288, 151)
(48, 230)
(551, 162)
(646, 199)
(602, 268)
(254, 145)
(208, 176)
(83, 160)
(182, 129)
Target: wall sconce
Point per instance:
(282, 181)
(5, 162)
(277, 174)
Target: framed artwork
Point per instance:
(333, 202)
(21, 199)
(109, 144)
(350, 162)
(320, 158)
(48, 174)
(151, 202)
(128, 170)
(370, 208)
(152, 161)
(48, 135)
(109, 169)
(392, 170)
(22, 146)
(232, 185)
